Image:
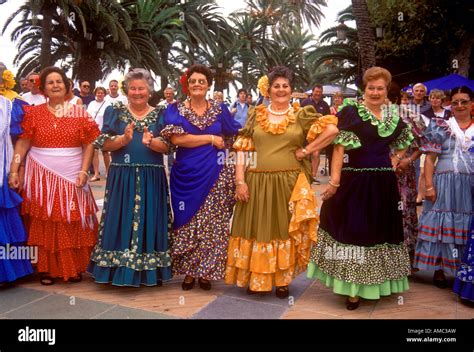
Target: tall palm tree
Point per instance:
(365, 34)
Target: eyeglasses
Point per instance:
(31, 81)
(84, 86)
(460, 102)
(200, 81)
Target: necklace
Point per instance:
(194, 111)
(58, 112)
(278, 113)
(140, 116)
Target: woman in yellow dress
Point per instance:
(275, 218)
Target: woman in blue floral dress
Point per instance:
(446, 218)
(133, 244)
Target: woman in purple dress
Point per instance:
(201, 181)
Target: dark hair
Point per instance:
(280, 71)
(100, 88)
(241, 90)
(113, 80)
(461, 89)
(53, 69)
(198, 68)
(317, 85)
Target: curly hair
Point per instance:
(138, 73)
(283, 72)
(202, 69)
(53, 69)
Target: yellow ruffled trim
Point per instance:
(274, 128)
(244, 144)
(319, 126)
(263, 265)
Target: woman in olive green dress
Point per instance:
(275, 219)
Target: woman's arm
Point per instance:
(336, 168)
(121, 140)
(193, 140)
(429, 171)
(242, 190)
(21, 148)
(87, 155)
(323, 140)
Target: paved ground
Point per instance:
(309, 299)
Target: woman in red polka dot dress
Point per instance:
(58, 205)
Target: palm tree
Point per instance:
(365, 34)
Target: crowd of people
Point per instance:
(221, 213)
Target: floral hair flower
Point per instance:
(8, 79)
(183, 81)
(263, 86)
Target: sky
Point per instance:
(8, 49)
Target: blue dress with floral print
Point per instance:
(132, 248)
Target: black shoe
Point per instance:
(78, 278)
(186, 286)
(47, 280)
(204, 284)
(282, 292)
(467, 302)
(440, 283)
(352, 305)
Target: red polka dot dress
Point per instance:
(60, 217)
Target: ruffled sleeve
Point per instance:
(28, 125)
(89, 130)
(159, 126)
(18, 113)
(244, 140)
(111, 126)
(404, 140)
(313, 123)
(436, 133)
(348, 120)
(173, 122)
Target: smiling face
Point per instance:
(99, 95)
(461, 105)
(138, 93)
(317, 93)
(113, 88)
(419, 93)
(280, 91)
(375, 92)
(54, 86)
(436, 100)
(198, 85)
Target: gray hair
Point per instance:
(2, 68)
(138, 73)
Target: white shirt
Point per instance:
(96, 110)
(119, 98)
(34, 99)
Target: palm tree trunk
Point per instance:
(45, 57)
(365, 34)
(463, 55)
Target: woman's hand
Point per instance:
(328, 192)
(218, 142)
(128, 133)
(82, 179)
(430, 194)
(14, 180)
(300, 154)
(147, 137)
(395, 162)
(403, 165)
(242, 193)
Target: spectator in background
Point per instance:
(249, 99)
(447, 100)
(34, 96)
(436, 109)
(70, 97)
(404, 98)
(218, 97)
(240, 108)
(114, 95)
(419, 94)
(85, 92)
(169, 97)
(96, 109)
(24, 86)
(321, 107)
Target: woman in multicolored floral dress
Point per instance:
(201, 181)
(133, 244)
(275, 219)
(406, 177)
(449, 172)
(360, 250)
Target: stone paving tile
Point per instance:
(14, 297)
(235, 308)
(294, 313)
(119, 312)
(59, 307)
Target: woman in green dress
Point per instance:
(275, 219)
